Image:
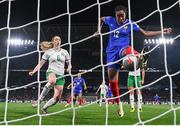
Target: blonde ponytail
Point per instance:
(45, 45)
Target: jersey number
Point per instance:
(116, 34)
(58, 58)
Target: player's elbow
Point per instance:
(102, 19)
(146, 33)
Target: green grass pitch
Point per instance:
(90, 115)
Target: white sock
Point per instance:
(50, 103)
(131, 97)
(121, 107)
(139, 101)
(100, 102)
(45, 91)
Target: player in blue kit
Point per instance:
(157, 99)
(110, 95)
(118, 45)
(79, 83)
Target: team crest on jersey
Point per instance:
(62, 54)
(126, 27)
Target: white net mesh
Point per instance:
(102, 64)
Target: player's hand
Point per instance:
(167, 30)
(68, 88)
(96, 34)
(31, 73)
(68, 70)
(142, 82)
(122, 67)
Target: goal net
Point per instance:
(76, 28)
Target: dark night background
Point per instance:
(85, 55)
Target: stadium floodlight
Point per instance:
(20, 42)
(145, 40)
(25, 42)
(171, 41)
(149, 40)
(14, 41)
(167, 41)
(32, 42)
(159, 41)
(29, 42)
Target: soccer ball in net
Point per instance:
(131, 61)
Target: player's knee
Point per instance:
(113, 77)
(110, 78)
(132, 93)
(56, 97)
(131, 89)
(52, 81)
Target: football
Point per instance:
(131, 62)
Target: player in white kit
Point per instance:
(57, 57)
(103, 92)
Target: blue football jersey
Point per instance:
(109, 92)
(156, 98)
(120, 37)
(78, 83)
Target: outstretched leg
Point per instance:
(57, 94)
(113, 79)
(139, 100)
(51, 82)
(131, 98)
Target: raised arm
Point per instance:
(85, 87)
(102, 19)
(98, 90)
(38, 67)
(68, 87)
(69, 66)
(68, 62)
(153, 33)
(106, 88)
(143, 75)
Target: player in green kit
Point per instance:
(131, 84)
(136, 75)
(103, 88)
(57, 57)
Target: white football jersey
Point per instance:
(135, 73)
(56, 60)
(103, 88)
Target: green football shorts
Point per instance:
(59, 81)
(131, 81)
(103, 95)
